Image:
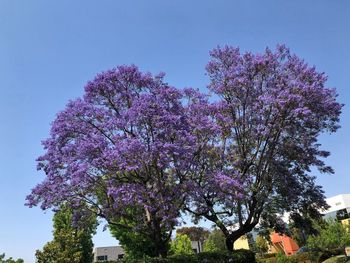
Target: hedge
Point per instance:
(238, 256)
(314, 257)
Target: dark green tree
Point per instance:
(138, 244)
(72, 242)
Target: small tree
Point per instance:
(71, 243)
(215, 242)
(135, 244)
(333, 235)
(181, 245)
(261, 245)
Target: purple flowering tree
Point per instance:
(272, 107)
(123, 151)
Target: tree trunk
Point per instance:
(160, 242)
(229, 244)
(162, 250)
(232, 237)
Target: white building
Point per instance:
(117, 252)
(197, 246)
(339, 207)
(108, 253)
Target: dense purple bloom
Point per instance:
(127, 145)
(271, 109)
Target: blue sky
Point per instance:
(50, 49)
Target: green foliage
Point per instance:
(188, 258)
(309, 257)
(332, 236)
(282, 258)
(9, 260)
(181, 245)
(304, 225)
(238, 256)
(261, 244)
(135, 244)
(215, 242)
(70, 244)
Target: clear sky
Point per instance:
(50, 49)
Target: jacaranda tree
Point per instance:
(272, 107)
(122, 151)
(137, 152)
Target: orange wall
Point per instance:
(284, 244)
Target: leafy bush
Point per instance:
(238, 256)
(209, 257)
(314, 257)
(334, 236)
(181, 258)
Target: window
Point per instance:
(120, 256)
(102, 258)
(342, 214)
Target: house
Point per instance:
(108, 253)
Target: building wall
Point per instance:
(240, 243)
(282, 243)
(112, 253)
(197, 246)
(116, 252)
(338, 202)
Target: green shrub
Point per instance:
(312, 257)
(238, 256)
(209, 257)
(242, 256)
(182, 258)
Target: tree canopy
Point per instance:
(138, 152)
(272, 107)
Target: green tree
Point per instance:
(261, 245)
(136, 244)
(333, 235)
(9, 260)
(71, 244)
(181, 245)
(215, 242)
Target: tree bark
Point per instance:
(159, 240)
(235, 235)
